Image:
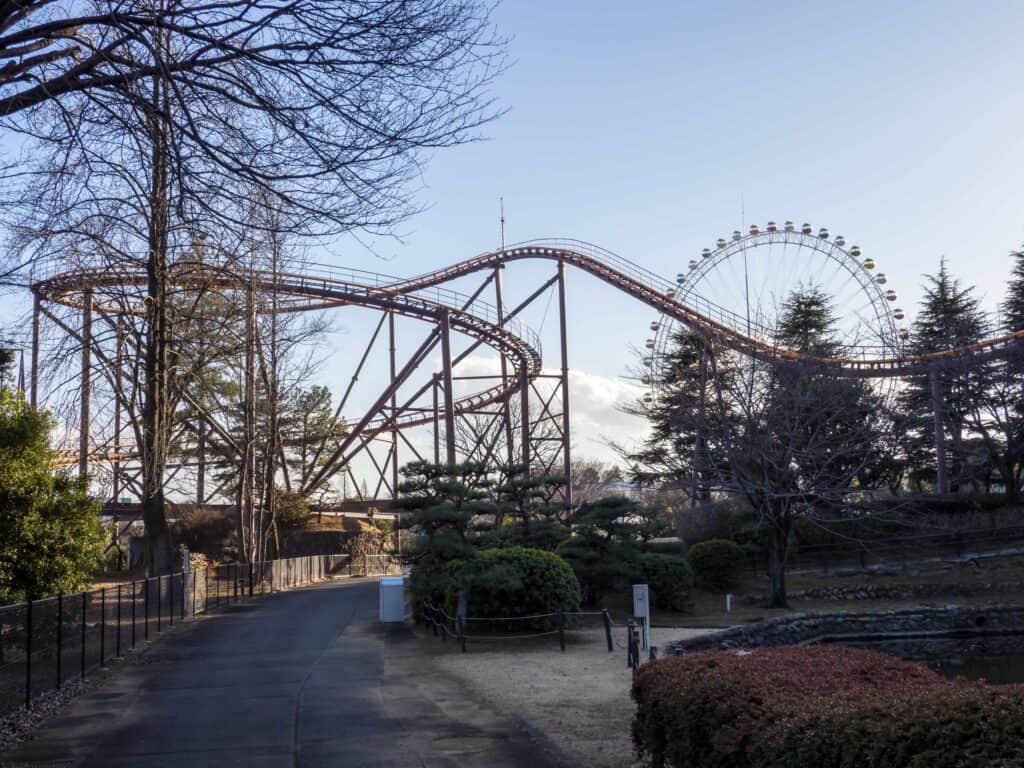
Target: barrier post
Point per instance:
(28, 655)
(117, 640)
(103, 626)
(606, 617)
(60, 635)
(561, 630)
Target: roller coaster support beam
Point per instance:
(86, 386)
(506, 410)
(437, 421)
(119, 362)
(938, 406)
(394, 405)
(566, 458)
(331, 465)
(35, 351)
(524, 405)
(449, 399)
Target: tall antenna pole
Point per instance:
(501, 202)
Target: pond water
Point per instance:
(998, 658)
(994, 669)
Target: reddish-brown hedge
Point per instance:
(820, 707)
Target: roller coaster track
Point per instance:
(701, 315)
(426, 298)
(332, 288)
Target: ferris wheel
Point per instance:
(748, 278)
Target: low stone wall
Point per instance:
(799, 628)
(894, 592)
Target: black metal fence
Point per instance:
(896, 550)
(46, 643)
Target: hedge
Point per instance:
(820, 707)
(717, 564)
(669, 578)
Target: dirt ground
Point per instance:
(579, 698)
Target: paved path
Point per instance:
(304, 678)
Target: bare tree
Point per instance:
(174, 111)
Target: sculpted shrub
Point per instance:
(717, 564)
(516, 581)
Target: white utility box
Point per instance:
(392, 598)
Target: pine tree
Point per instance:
(680, 416)
(950, 317)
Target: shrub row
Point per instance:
(820, 707)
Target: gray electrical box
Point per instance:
(392, 598)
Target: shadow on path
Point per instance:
(300, 679)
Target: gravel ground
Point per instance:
(579, 699)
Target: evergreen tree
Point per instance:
(999, 421)
(680, 417)
(950, 317)
(51, 539)
(528, 513)
(603, 548)
(440, 503)
(795, 438)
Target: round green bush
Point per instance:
(717, 564)
(669, 578)
(429, 579)
(516, 581)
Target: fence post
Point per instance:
(632, 645)
(103, 626)
(234, 572)
(28, 655)
(145, 603)
(159, 604)
(60, 635)
(606, 617)
(135, 599)
(83, 634)
(561, 630)
(117, 642)
(170, 599)
(250, 578)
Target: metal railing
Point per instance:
(44, 644)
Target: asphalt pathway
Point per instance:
(299, 679)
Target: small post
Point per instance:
(28, 655)
(145, 626)
(159, 604)
(135, 599)
(60, 635)
(117, 641)
(170, 599)
(103, 626)
(561, 630)
(250, 578)
(187, 584)
(83, 635)
(632, 645)
(728, 603)
(606, 617)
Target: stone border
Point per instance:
(802, 628)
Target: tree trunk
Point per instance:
(778, 545)
(155, 410)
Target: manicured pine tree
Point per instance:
(529, 510)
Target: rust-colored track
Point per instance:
(697, 313)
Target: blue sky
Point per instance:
(652, 128)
